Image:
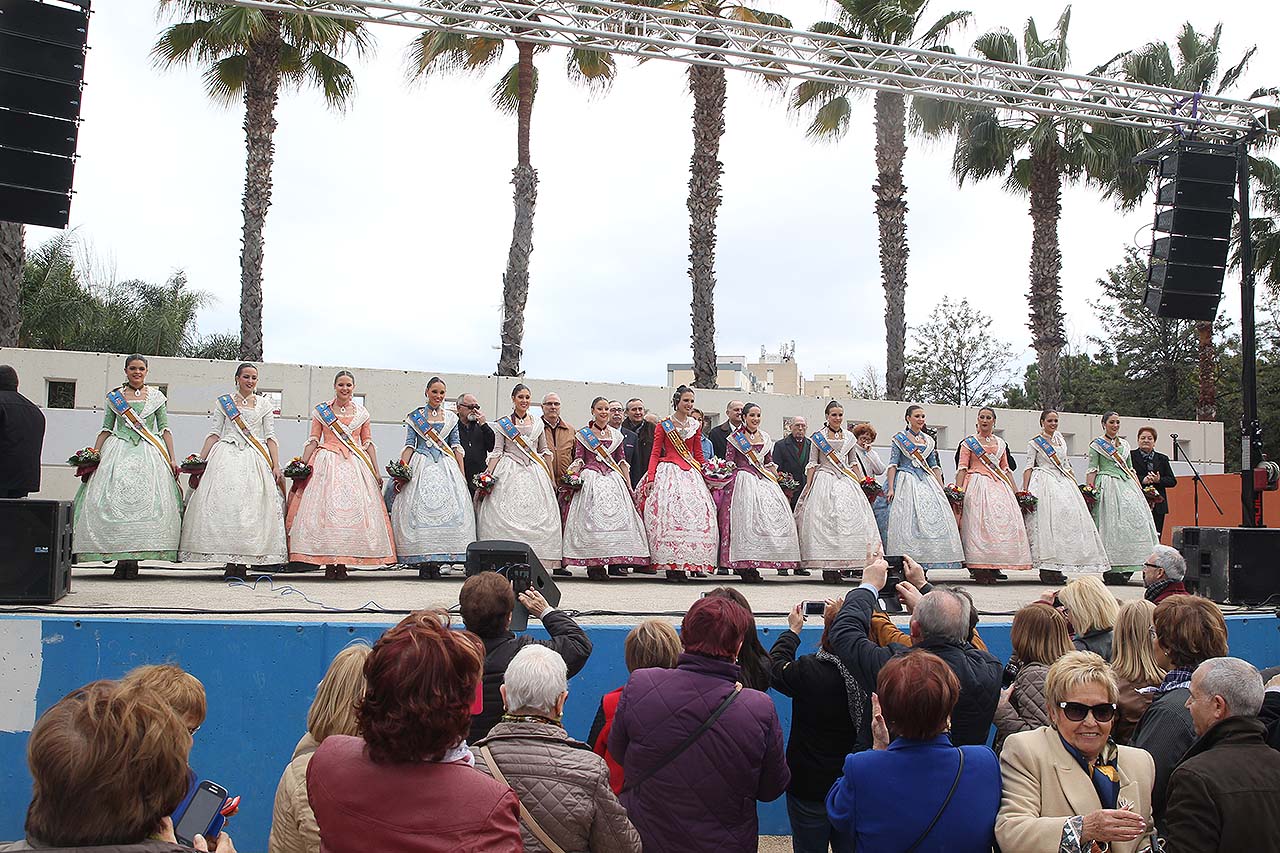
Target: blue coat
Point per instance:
(886, 798)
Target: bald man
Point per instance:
(559, 435)
(720, 435)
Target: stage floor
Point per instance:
(168, 591)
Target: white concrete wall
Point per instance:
(194, 385)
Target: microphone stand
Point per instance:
(1197, 482)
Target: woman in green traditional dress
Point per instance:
(130, 509)
(1122, 513)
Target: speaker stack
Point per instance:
(35, 551)
(42, 53)
(1195, 198)
(1231, 565)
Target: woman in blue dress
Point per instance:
(921, 522)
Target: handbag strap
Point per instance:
(525, 818)
(955, 784)
(685, 744)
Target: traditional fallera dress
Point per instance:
(131, 507)
(991, 526)
(873, 466)
(338, 518)
(432, 515)
(836, 522)
(236, 515)
(1061, 532)
(921, 522)
(1122, 512)
(523, 505)
(679, 514)
(603, 527)
(757, 527)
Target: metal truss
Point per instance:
(792, 54)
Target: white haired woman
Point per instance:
(562, 785)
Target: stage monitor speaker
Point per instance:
(1202, 195)
(1231, 565)
(1196, 251)
(35, 551)
(1200, 166)
(496, 555)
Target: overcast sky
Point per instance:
(389, 228)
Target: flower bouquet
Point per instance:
(571, 482)
(871, 488)
(787, 482)
(193, 464)
(484, 484)
(297, 469)
(399, 471)
(1152, 494)
(86, 462)
(954, 494)
(1026, 502)
(1090, 495)
(718, 472)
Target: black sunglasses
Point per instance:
(1077, 711)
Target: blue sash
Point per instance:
(677, 440)
(589, 440)
(825, 448)
(743, 444)
(508, 428)
(330, 419)
(976, 449)
(430, 432)
(1115, 456)
(125, 412)
(911, 449)
(1049, 450)
(232, 411)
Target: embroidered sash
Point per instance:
(1109, 450)
(911, 450)
(825, 448)
(509, 429)
(976, 449)
(594, 444)
(125, 412)
(677, 441)
(429, 432)
(232, 411)
(1049, 450)
(743, 444)
(327, 417)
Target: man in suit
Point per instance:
(639, 423)
(617, 414)
(1153, 469)
(791, 454)
(21, 439)
(720, 435)
(476, 436)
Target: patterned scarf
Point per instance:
(1103, 772)
(1153, 592)
(854, 694)
(532, 718)
(461, 752)
(1175, 678)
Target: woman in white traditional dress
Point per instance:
(522, 506)
(337, 518)
(432, 515)
(1122, 513)
(921, 522)
(991, 526)
(603, 528)
(130, 508)
(837, 527)
(235, 512)
(679, 515)
(1061, 532)
(757, 527)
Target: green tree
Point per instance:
(12, 235)
(887, 22)
(955, 360)
(249, 55)
(1090, 383)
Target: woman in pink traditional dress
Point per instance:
(679, 514)
(991, 525)
(338, 518)
(603, 527)
(757, 529)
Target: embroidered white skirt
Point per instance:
(237, 513)
(836, 523)
(1124, 521)
(130, 509)
(922, 524)
(680, 518)
(1061, 532)
(603, 527)
(432, 514)
(522, 508)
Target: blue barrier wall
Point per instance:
(260, 678)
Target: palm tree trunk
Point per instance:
(708, 87)
(515, 282)
(261, 93)
(11, 258)
(1045, 294)
(891, 215)
(1207, 403)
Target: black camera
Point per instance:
(897, 574)
(1010, 671)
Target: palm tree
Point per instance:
(887, 22)
(1035, 155)
(250, 55)
(436, 52)
(12, 236)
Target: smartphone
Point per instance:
(521, 577)
(202, 815)
(814, 608)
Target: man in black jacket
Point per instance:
(21, 439)
(642, 426)
(486, 602)
(1153, 469)
(617, 417)
(719, 435)
(791, 454)
(476, 436)
(940, 624)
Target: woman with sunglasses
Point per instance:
(1067, 785)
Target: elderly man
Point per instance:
(1163, 573)
(21, 439)
(940, 624)
(559, 435)
(476, 436)
(1225, 793)
(640, 424)
(617, 416)
(791, 454)
(563, 785)
(720, 435)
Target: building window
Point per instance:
(358, 399)
(62, 394)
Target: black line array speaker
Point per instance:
(42, 54)
(1195, 198)
(35, 551)
(499, 555)
(1235, 565)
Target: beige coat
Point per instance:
(293, 826)
(1044, 785)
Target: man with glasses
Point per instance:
(1163, 574)
(719, 435)
(617, 415)
(559, 436)
(640, 424)
(476, 437)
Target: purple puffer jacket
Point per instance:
(704, 800)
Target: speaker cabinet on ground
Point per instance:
(35, 551)
(497, 555)
(1233, 565)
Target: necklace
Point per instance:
(342, 410)
(137, 392)
(244, 401)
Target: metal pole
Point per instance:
(1250, 428)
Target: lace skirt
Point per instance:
(1061, 532)
(991, 527)
(339, 516)
(237, 513)
(522, 508)
(432, 515)
(836, 523)
(680, 518)
(922, 524)
(130, 509)
(757, 527)
(603, 527)
(1124, 521)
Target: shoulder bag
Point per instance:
(525, 817)
(955, 784)
(632, 784)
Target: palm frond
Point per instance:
(943, 28)
(984, 146)
(1233, 74)
(505, 95)
(998, 46)
(830, 121)
(1018, 181)
(330, 75)
(186, 42)
(934, 116)
(812, 94)
(224, 80)
(593, 68)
